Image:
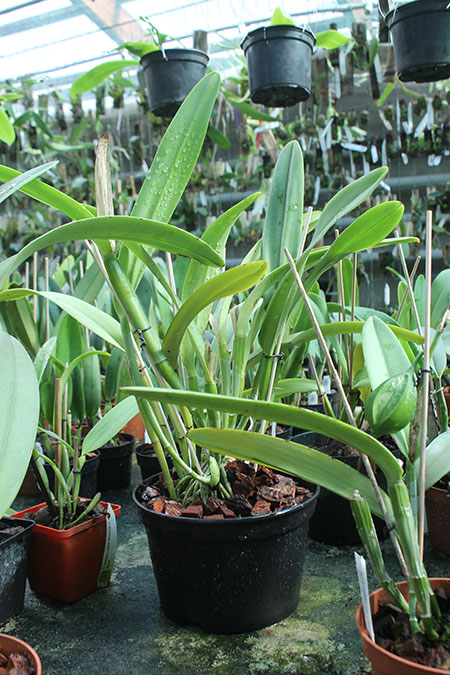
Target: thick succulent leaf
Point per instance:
(94, 319)
(283, 414)
(284, 217)
(19, 412)
(177, 153)
(288, 457)
(98, 74)
(17, 183)
(383, 354)
(440, 297)
(345, 201)
(234, 280)
(110, 424)
(124, 228)
(437, 459)
(48, 195)
(216, 236)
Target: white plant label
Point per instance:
(109, 553)
(361, 570)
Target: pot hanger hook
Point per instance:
(385, 6)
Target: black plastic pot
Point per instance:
(89, 472)
(13, 567)
(147, 461)
(114, 471)
(333, 521)
(228, 576)
(170, 76)
(420, 33)
(279, 64)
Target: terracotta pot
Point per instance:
(438, 518)
(383, 662)
(11, 645)
(65, 564)
(135, 427)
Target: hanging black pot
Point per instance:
(114, 471)
(170, 75)
(228, 576)
(420, 33)
(333, 521)
(13, 566)
(279, 64)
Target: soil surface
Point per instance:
(255, 493)
(392, 632)
(43, 516)
(15, 664)
(7, 531)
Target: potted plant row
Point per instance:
(171, 349)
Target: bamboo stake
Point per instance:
(409, 284)
(27, 273)
(426, 372)
(47, 303)
(35, 266)
(406, 293)
(58, 430)
(352, 318)
(86, 329)
(348, 410)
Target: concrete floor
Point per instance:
(120, 630)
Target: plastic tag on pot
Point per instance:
(109, 553)
(364, 590)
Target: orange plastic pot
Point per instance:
(11, 645)
(447, 398)
(383, 662)
(65, 564)
(438, 518)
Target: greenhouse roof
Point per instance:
(56, 40)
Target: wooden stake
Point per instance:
(58, 429)
(409, 284)
(426, 372)
(47, 304)
(35, 265)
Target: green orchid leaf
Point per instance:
(177, 153)
(110, 424)
(283, 225)
(234, 280)
(246, 109)
(383, 353)
(346, 200)
(139, 48)
(43, 357)
(280, 18)
(216, 236)
(124, 228)
(48, 195)
(97, 75)
(437, 459)
(331, 39)
(440, 297)
(22, 179)
(364, 232)
(7, 131)
(19, 412)
(94, 319)
(294, 385)
(283, 414)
